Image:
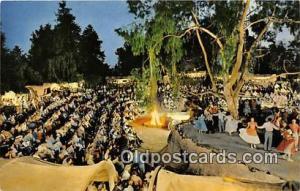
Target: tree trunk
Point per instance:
(153, 80)
(232, 101)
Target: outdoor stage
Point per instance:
(222, 141)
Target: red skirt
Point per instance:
(285, 143)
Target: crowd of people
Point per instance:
(91, 125)
(81, 128)
(166, 96)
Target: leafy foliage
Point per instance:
(63, 66)
(58, 53)
(14, 69)
(153, 21)
(127, 61)
(142, 88)
(92, 60)
(42, 49)
(228, 54)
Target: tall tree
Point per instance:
(154, 20)
(13, 69)
(5, 67)
(63, 66)
(92, 59)
(42, 50)
(19, 65)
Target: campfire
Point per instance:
(153, 119)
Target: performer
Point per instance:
(231, 124)
(249, 134)
(200, 123)
(277, 120)
(209, 121)
(295, 129)
(221, 123)
(287, 145)
(269, 126)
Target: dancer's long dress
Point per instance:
(231, 124)
(249, 134)
(295, 129)
(200, 123)
(287, 145)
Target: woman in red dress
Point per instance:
(296, 130)
(287, 145)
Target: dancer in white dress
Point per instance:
(231, 124)
(249, 134)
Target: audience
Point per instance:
(91, 125)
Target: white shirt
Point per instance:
(269, 126)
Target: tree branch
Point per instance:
(284, 20)
(239, 58)
(249, 59)
(287, 73)
(239, 86)
(252, 11)
(262, 55)
(213, 36)
(257, 21)
(259, 37)
(249, 54)
(181, 35)
(274, 20)
(214, 87)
